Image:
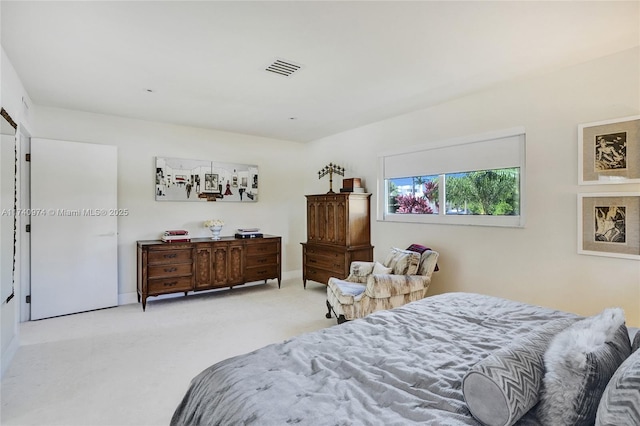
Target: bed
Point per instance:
(397, 367)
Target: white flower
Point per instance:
(213, 222)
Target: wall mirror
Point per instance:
(8, 205)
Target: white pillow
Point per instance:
(402, 262)
(579, 362)
(379, 268)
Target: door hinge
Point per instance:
(28, 227)
(27, 157)
(28, 298)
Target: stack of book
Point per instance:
(176, 236)
(248, 233)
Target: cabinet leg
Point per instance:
(278, 282)
(144, 304)
(342, 319)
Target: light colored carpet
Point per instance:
(122, 366)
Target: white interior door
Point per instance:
(73, 227)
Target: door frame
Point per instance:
(23, 266)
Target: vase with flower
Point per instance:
(215, 226)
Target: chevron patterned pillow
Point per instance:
(579, 363)
(505, 385)
(620, 403)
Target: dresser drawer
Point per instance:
(170, 270)
(169, 256)
(324, 251)
(332, 261)
(262, 260)
(261, 273)
(261, 248)
(320, 275)
(170, 285)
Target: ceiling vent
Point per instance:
(282, 67)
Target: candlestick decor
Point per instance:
(330, 170)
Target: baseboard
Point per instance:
(292, 274)
(127, 298)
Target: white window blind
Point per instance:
(457, 156)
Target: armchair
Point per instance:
(404, 277)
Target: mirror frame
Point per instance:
(6, 116)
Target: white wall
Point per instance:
(12, 95)
(279, 211)
(538, 264)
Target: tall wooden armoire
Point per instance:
(338, 232)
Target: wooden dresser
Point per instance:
(338, 232)
(205, 264)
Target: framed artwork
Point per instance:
(609, 224)
(211, 183)
(179, 179)
(609, 151)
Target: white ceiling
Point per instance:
(362, 61)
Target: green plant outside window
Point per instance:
(494, 192)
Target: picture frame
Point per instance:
(179, 179)
(609, 224)
(211, 182)
(609, 151)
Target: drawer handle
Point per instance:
(171, 284)
(170, 269)
(261, 260)
(262, 272)
(337, 265)
(170, 255)
(312, 261)
(261, 248)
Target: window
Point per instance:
(413, 195)
(471, 181)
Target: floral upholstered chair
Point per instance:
(404, 277)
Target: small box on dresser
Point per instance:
(351, 183)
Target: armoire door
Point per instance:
(336, 223)
(74, 224)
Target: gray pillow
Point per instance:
(620, 403)
(579, 363)
(505, 385)
(636, 342)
